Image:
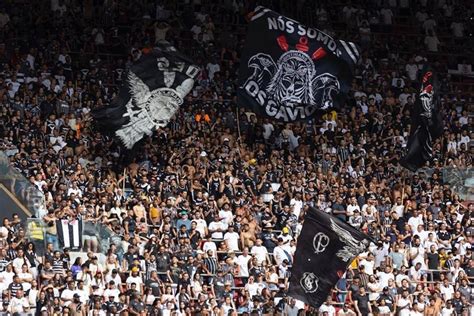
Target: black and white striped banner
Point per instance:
(69, 233)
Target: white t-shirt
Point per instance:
(201, 226)
(447, 311)
(267, 130)
(297, 206)
(252, 288)
(26, 285)
(448, 291)
(216, 225)
(232, 240)
(226, 216)
(327, 308)
(209, 245)
(137, 280)
(18, 305)
(67, 294)
(279, 254)
(351, 208)
(112, 292)
(414, 222)
(260, 253)
(368, 265)
(243, 262)
(401, 303)
(212, 69)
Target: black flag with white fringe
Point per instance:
(289, 71)
(153, 91)
(427, 124)
(325, 248)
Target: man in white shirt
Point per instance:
(268, 129)
(136, 279)
(415, 220)
(217, 228)
(212, 67)
(282, 252)
(19, 304)
(243, 262)
(447, 290)
(327, 308)
(226, 214)
(296, 204)
(403, 304)
(112, 291)
(260, 252)
(231, 238)
(352, 207)
(368, 263)
(68, 293)
(201, 225)
(417, 252)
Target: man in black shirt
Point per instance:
(432, 261)
(154, 283)
(361, 302)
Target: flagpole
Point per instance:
(238, 125)
(124, 179)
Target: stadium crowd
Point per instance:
(207, 211)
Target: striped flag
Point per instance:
(69, 233)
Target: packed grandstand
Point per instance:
(203, 217)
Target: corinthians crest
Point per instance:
(309, 282)
(291, 88)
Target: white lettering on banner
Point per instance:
(284, 24)
(320, 242)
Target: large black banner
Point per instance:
(154, 89)
(325, 248)
(289, 71)
(427, 124)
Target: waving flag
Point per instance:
(427, 124)
(289, 71)
(154, 89)
(325, 248)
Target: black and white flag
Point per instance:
(289, 71)
(69, 233)
(154, 89)
(427, 124)
(325, 248)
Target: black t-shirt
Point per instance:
(154, 285)
(137, 305)
(363, 303)
(433, 260)
(444, 235)
(266, 237)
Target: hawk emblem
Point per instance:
(352, 247)
(149, 109)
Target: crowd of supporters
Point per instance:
(207, 211)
